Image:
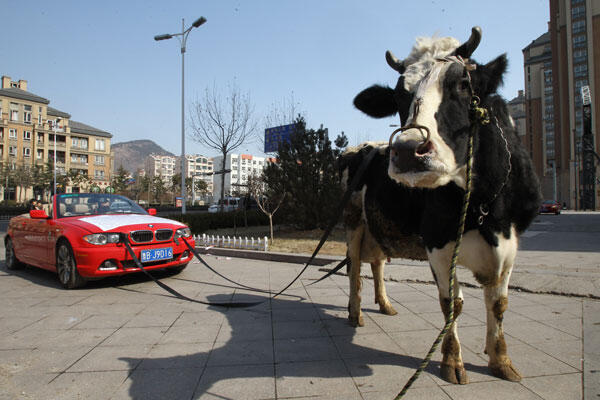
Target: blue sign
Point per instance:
(276, 135)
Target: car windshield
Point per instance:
(77, 204)
(549, 202)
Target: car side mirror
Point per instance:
(38, 214)
(152, 211)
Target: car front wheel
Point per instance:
(10, 258)
(66, 267)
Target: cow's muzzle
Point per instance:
(411, 155)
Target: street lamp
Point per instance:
(182, 40)
(55, 129)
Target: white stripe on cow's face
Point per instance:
(441, 166)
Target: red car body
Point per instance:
(36, 238)
(550, 206)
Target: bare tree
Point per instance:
(282, 113)
(223, 124)
(268, 200)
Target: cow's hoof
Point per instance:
(354, 321)
(505, 371)
(454, 374)
(387, 309)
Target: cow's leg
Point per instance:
(380, 294)
(452, 367)
(354, 246)
(496, 302)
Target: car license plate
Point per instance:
(164, 253)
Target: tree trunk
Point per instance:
(271, 226)
(223, 180)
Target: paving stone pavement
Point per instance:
(128, 339)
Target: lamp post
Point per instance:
(182, 40)
(55, 129)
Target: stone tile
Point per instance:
(191, 334)
(103, 321)
(237, 382)
(83, 385)
(464, 319)
(299, 329)
(247, 316)
(556, 387)
(152, 320)
(135, 336)
(404, 322)
(569, 352)
(308, 313)
(542, 312)
(117, 358)
(414, 393)
(327, 379)
(10, 324)
(305, 349)
(532, 362)
(535, 332)
(159, 384)
(27, 339)
(245, 332)
(242, 353)
(342, 327)
(25, 385)
(77, 338)
(189, 318)
(367, 347)
(494, 390)
(177, 355)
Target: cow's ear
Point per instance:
(491, 75)
(376, 101)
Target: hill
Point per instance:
(131, 155)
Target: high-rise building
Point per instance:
(557, 65)
(161, 165)
(27, 129)
(516, 109)
(198, 167)
(242, 167)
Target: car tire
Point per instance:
(11, 260)
(177, 269)
(66, 267)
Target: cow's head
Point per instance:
(434, 152)
(380, 101)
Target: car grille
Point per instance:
(163, 234)
(141, 236)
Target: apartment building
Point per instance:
(557, 66)
(516, 109)
(198, 167)
(242, 167)
(161, 165)
(28, 126)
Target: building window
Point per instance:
(40, 154)
(99, 173)
(27, 135)
(39, 115)
(12, 150)
(99, 160)
(580, 70)
(12, 134)
(579, 41)
(99, 145)
(14, 112)
(578, 26)
(577, 12)
(27, 114)
(580, 55)
(26, 152)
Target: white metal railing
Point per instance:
(261, 244)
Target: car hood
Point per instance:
(113, 221)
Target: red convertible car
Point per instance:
(80, 237)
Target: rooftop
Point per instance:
(16, 93)
(79, 127)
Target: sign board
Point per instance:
(178, 201)
(586, 97)
(276, 135)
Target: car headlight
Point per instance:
(102, 238)
(183, 232)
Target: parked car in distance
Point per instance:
(80, 238)
(229, 204)
(550, 206)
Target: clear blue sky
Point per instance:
(98, 60)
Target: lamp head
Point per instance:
(163, 37)
(199, 22)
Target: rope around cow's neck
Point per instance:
(459, 235)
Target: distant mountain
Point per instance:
(131, 155)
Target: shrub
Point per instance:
(201, 222)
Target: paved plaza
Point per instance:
(128, 339)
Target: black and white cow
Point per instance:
(415, 189)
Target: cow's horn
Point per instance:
(468, 47)
(394, 62)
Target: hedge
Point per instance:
(201, 222)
